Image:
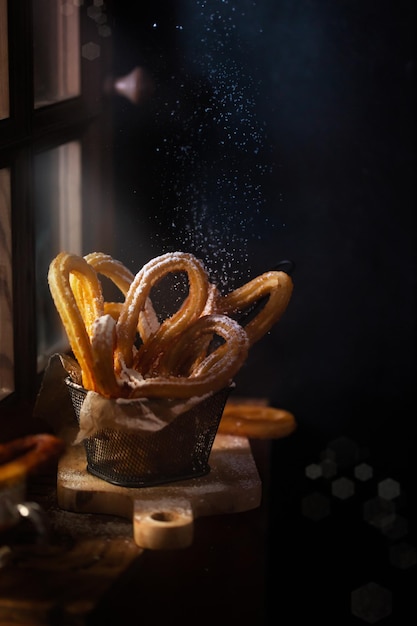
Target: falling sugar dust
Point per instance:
(213, 160)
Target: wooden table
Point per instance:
(92, 572)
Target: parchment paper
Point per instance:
(55, 407)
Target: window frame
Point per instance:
(24, 134)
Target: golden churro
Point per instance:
(277, 286)
(125, 351)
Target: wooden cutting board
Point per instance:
(162, 516)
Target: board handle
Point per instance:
(163, 524)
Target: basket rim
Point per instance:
(77, 387)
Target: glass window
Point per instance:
(6, 299)
(55, 132)
(57, 176)
(4, 62)
(56, 35)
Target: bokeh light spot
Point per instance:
(371, 603)
(345, 452)
(397, 529)
(94, 12)
(379, 512)
(389, 489)
(343, 488)
(315, 506)
(90, 51)
(363, 472)
(104, 30)
(313, 471)
(328, 468)
(403, 555)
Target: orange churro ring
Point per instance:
(215, 372)
(122, 277)
(104, 264)
(29, 454)
(276, 285)
(77, 319)
(185, 358)
(136, 298)
(256, 421)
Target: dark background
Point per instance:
(286, 130)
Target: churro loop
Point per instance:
(136, 298)
(107, 266)
(29, 454)
(185, 358)
(215, 372)
(104, 264)
(276, 285)
(77, 319)
(122, 277)
(256, 421)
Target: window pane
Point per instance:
(6, 298)
(56, 37)
(57, 176)
(4, 62)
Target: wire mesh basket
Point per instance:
(179, 451)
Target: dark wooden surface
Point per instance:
(91, 572)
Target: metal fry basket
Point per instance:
(178, 451)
